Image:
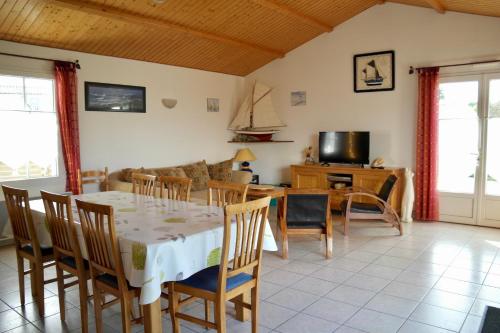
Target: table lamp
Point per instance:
(244, 156)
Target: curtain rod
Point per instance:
(413, 69)
(77, 64)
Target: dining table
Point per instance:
(160, 240)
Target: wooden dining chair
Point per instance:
(379, 209)
(231, 279)
(67, 252)
(225, 193)
(100, 177)
(175, 188)
(105, 261)
(143, 184)
(306, 212)
(27, 245)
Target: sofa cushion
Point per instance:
(126, 174)
(198, 172)
(171, 172)
(221, 171)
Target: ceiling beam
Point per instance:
(287, 11)
(128, 17)
(437, 5)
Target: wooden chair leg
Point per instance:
(207, 313)
(255, 309)
(82, 286)
(39, 289)
(329, 246)
(60, 291)
(126, 308)
(220, 315)
(346, 225)
(20, 275)
(173, 303)
(97, 308)
(33, 279)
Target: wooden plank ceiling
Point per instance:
(228, 36)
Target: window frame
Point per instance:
(59, 178)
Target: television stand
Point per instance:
(336, 177)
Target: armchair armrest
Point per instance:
(384, 205)
(359, 189)
(381, 203)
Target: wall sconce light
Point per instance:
(169, 103)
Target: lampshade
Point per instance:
(244, 155)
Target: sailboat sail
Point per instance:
(257, 111)
(242, 119)
(372, 74)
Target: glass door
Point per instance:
(459, 148)
(490, 200)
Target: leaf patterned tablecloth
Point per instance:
(160, 240)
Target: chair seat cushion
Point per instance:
(111, 280)
(306, 225)
(361, 207)
(207, 279)
(46, 251)
(70, 261)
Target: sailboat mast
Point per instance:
(251, 107)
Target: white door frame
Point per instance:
(479, 196)
(482, 196)
(472, 197)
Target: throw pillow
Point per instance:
(126, 174)
(198, 172)
(172, 172)
(221, 171)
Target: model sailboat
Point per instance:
(256, 119)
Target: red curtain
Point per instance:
(67, 111)
(427, 200)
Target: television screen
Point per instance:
(344, 147)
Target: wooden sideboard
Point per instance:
(325, 177)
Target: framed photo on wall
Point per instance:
(114, 97)
(374, 71)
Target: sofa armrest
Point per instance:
(241, 177)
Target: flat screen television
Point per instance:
(344, 147)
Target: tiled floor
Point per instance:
(436, 278)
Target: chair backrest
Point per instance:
(175, 188)
(98, 226)
(225, 193)
(18, 208)
(143, 184)
(61, 226)
(250, 219)
(306, 206)
(100, 177)
(387, 187)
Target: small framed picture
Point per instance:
(298, 98)
(374, 71)
(212, 105)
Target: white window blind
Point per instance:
(28, 128)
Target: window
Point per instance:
(28, 128)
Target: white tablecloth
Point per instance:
(160, 240)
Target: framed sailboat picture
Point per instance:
(374, 71)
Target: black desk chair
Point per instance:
(307, 212)
(380, 210)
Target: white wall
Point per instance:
(323, 67)
(160, 137)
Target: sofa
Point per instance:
(200, 172)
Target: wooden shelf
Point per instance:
(272, 141)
